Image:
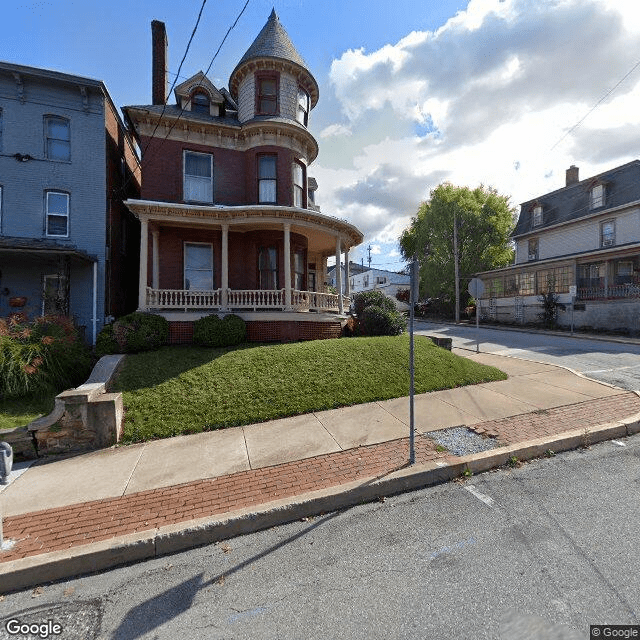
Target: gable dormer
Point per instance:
(597, 194)
(199, 95)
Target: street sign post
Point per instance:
(476, 289)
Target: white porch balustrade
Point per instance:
(243, 299)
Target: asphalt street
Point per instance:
(607, 361)
(540, 551)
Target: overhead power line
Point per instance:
(596, 105)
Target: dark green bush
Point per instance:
(106, 341)
(364, 299)
(376, 321)
(139, 331)
(41, 357)
(211, 331)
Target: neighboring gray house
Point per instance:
(67, 243)
(354, 268)
(583, 237)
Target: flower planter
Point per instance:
(18, 301)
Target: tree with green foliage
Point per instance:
(479, 221)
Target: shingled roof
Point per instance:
(273, 42)
(622, 186)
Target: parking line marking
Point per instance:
(481, 496)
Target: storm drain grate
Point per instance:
(462, 441)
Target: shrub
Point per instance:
(364, 299)
(41, 357)
(376, 321)
(106, 341)
(139, 331)
(211, 331)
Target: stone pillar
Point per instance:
(144, 250)
(155, 259)
(339, 274)
(287, 267)
(224, 276)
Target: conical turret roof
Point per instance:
(273, 42)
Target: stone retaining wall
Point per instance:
(84, 418)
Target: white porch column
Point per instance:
(347, 274)
(155, 282)
(144, 250)
(339, 274)
(287, 267)
(224, 279)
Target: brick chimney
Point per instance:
(159, 44)
(572, 175)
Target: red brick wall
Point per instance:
(290, 331)
(243, 255)
(162, 171)
(180, 332)
(267, 331)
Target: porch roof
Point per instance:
(249, 217)
(621, 250)
(40, 246)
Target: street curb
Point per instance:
(144, 545)
(550, 332)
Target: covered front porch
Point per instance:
(239, 259)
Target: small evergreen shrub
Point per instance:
(139, 331)
(41, 357)
(367, 298)
(106, 341)
(377, 321)
(211, 331)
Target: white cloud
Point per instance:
(335, 130)
(482, 99)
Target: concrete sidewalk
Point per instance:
(97, 510)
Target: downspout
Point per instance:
(95, 301)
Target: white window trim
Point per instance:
(298, 188)
(47, 214)
(609, 242)
(601, 199)
(184, 175)
(184, 263)
(47, 138)
(537, 216)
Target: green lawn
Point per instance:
(178, 390)
(22, 411)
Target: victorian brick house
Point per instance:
(228, 218)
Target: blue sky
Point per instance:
(411, 92)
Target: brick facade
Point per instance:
(267, 331)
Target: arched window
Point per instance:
(200, 103)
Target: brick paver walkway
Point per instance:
(61, 528)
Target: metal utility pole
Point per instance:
(456, 266)
(369, 250)
(412, 302)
